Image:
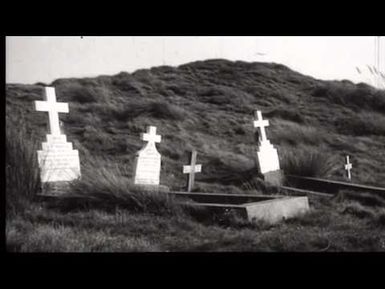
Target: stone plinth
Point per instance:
(57, 160)
(267, 157)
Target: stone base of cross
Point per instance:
(267, 158)
(57, 160)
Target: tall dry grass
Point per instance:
(22, 170)
(307, 161)
(108, 186)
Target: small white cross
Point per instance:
(151, 135)
(261, 124)
(53, 108)
(191, 170)
(348, 167)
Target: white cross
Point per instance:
(348, 167)
(261, 124)
(191, 170)
(151, 135)
(53, 108)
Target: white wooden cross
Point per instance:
(191, 170)
(261, 124)
(53, 108)
(348, 167)
(151, 135)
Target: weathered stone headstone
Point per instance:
(57, 160)
(148, 160)
(267, 155)
(191, 170)
(348, 167)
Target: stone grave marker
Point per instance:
(348, 167)
(148, 160)
(191, 170)
(57, 160)
(268, 160)
(268, 208)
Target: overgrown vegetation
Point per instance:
(208, 106)
(105, 186)
(361, 96)
(307, 162)
(21, 168)
(329, 227)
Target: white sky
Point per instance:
(44, 59)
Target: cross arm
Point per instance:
(46, 106)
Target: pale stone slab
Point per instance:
(53, 159)
(273, 211)
(60, 138)
(267, 157)
(267, 208)
(59, 166)
(56, 146)
(58, 175)
(148, 160)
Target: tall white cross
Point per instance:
(348, 167)
(53, 108)
(261, 124)
(191, 170)
(151, 135)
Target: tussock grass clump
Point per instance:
(366, 199)
(360, 124)
(293, 134)
(357, 210)
(313, 218)
(106, 186)
(348, 94)
(255, 184)
(22, 170)
(375, 216)
(156, 109)
(285, 113)
(83, 94)
(307, 162)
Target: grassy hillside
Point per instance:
(206, 105)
